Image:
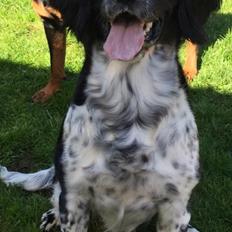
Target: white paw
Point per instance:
(191, 229)
(48, 220)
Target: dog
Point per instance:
(128, 147)
(55, 31)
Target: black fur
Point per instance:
(193, 14)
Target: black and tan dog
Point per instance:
(55, 30)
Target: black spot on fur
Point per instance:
(109, 191)
(174, 136)
(72, 222)
(183, 115)
(89, 168)
(92, 178)
(86, 143)
(91, 190)
(146, 207)
(81, 205)
(144, 158)
(74, 139)
(73, 169)
(171, 188)
(73, 106)
(129, 84)
(175, 164)
(72, 153)
(165, 200)
(129, 149)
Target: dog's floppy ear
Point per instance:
(82, 24)
(76, 15)
(189, 24)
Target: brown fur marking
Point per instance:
(190, 66)
(57, 46)
(45, 11)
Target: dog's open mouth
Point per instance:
(128, 35)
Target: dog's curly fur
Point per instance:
(128, 147)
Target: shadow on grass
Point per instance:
(213, 113)
(21, 74)
(23, 80)
(24, 69)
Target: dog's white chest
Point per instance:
(133, 146)
(128, 183)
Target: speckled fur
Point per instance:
(129, 173)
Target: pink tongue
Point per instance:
(124, 41)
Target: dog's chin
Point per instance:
(130, 38)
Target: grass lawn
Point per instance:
(28, 131)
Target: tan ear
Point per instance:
(45, 11)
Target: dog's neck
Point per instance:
(125, 94)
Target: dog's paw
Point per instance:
(48, 220)
(189, 228)
(190, 73)
(45, 93)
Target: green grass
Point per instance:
(28, 131)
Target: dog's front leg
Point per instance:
(57, 47)
(56, 37)
(74, 212)
(74, 198)
(190, 66)
(173, 217)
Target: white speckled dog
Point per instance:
(128, 147)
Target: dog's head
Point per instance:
(134, 25)
(124, 28)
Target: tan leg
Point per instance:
(190, 66)
(56, 38)
(57, 47)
